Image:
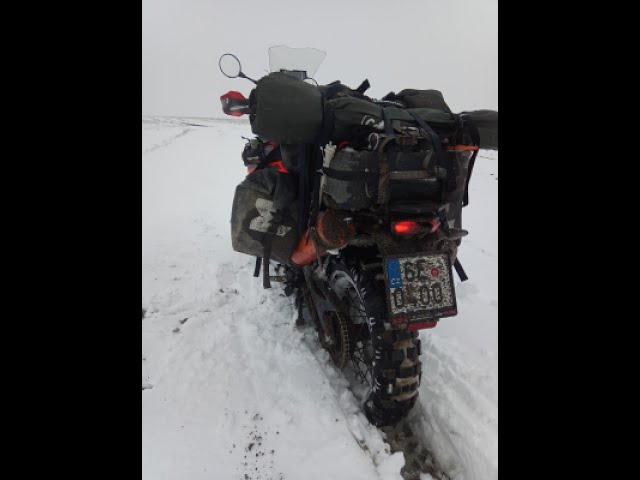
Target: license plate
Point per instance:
(420, 287)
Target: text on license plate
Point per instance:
(420, 287)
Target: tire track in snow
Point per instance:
(167, 142)
(437, 437)
(407, 437)
(278, 342)
(381, 444)
(253, 465)
(456, 413)
(366, 435)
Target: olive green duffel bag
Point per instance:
(486, 121)
(285, 109)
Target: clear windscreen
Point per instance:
(303, 61)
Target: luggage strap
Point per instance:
(387, 122)
(460, 271)
(267, 240)
(316, 161)
(303, 194)
(383, 172)
(364, 86)
(475, 138)
(266, 159)
(266, 282)
(256, 270)
(442, 159)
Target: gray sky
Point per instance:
(448, 45)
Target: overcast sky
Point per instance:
(448, 45)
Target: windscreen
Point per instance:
(297, 60)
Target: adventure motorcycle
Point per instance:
(377, 217)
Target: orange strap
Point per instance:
(463, 148)
(280, 165)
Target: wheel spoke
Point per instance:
(356, 311)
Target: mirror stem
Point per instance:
(242, 75)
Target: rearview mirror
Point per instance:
(231, 68)
(230, 65)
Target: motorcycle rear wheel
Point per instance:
(394, 368)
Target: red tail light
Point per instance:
(408, 227)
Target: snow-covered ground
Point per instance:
(233, 390)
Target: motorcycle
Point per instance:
(370, 279)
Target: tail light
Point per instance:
(406, 228)
(410, 228)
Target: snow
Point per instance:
(233, 390)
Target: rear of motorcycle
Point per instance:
(369, 300)
(371, 278)
(386, 275)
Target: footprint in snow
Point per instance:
(228, 291)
